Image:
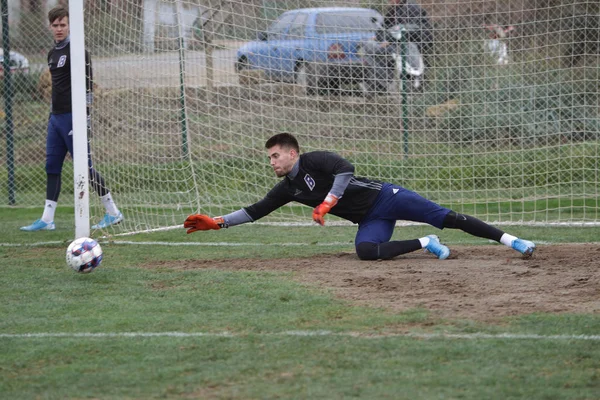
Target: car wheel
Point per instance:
(247, 76)
(241, 64)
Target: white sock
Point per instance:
(424, 241)
(109, 205)
(507, 239)
(49, 209)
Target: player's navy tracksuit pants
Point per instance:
(59, 141)
(397, 203)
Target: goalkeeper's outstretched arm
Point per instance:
(201, 222)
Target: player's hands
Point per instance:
(201, 222)
(323, 208)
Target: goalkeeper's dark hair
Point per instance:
(58, 12)
(284, 139)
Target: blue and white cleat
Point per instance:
(435, 247)
(108, 220)
(39, 225)
(524, 247)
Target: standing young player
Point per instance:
(59, 138)
(326, 181)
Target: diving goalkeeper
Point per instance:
(326, 182)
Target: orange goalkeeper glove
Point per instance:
(201, 222)
(323, 208)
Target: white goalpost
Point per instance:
(81, 188)
(504, 124)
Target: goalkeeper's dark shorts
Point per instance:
(397, 203)
(59, 141)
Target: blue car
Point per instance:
(316, 48)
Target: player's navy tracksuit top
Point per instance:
(312, 183)
(59, 62)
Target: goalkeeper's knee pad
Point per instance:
(367, 251)
(453, 220)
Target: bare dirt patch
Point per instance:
(479, 282)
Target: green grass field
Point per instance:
(520, 142)
(128, 331)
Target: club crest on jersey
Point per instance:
(62, 61)
(310, 182)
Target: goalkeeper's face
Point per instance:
(282, 159)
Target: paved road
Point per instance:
(162, 69)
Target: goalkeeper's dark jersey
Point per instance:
(59, 62)
(312, 183)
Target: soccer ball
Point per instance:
(84, 255)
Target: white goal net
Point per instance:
(496, 114)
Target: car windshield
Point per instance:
(279, 27)
(342, 22)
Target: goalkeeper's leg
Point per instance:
(386, 250)
(472, 225)
(479, 228)
(389, 250)
(373, 242)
